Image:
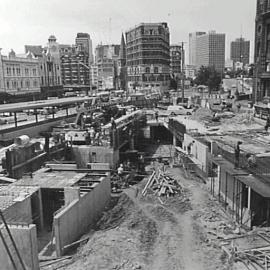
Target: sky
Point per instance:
(31, 22)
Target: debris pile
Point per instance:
(162, 185)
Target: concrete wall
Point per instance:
(71, 194)
(81, 214)
(199, 151)
(25, 238)
(84, 154)
(19, 211)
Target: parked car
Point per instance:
(180, 110)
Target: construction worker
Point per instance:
(113, 124)
(267, 123)
(156, 115)
(237, 155)
(120, 171)
(238, 107)
(189, 147)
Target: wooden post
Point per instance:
(226, 191)
(15, 119)
(249, 197)
(36, 115)
(233, 196)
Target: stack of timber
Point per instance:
(162, 185)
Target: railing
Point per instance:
(259, 169)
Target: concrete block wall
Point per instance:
(25, 238)
(81, 214)
(84, 154)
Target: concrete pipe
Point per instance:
(21, 140)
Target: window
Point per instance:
(147, 70)
(7, 84)
(155, 69)
(35, 83)
(26, 72)
(27, 84)
(13, 71)
(34, 72)
(18, 71)
(21, 84)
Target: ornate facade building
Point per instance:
(49, 66)
(148, 57)
(19, 74)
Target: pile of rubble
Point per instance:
(162, 184)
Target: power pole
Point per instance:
(182, 71)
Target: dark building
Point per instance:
(75, 68)
(148, 57)
(84, 43)
(261, 87)
(240, 49)
(177, 55)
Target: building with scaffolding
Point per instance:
(262, 51)
(148, 57)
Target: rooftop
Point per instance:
(12, 194)
(46, 178)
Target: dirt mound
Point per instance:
(202, 114)
(119, 211)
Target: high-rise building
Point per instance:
(84, 42)
(76, 63)
(148, 56)
(75, 68)
(106, 57)
(261, 87)
(193, 47)
(210, 51)
(240, 51)
(177, 56)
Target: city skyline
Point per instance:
(32, 21)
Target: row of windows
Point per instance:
(17, 71)
(21, 84)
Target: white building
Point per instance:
(19, 74)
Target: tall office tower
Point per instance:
(148, 56)
(240, 51)
(84, 43)
(193, 47)
(261, 86)
(177, 56)
(210, 51)
(106, 57)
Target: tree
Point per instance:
(208, 76)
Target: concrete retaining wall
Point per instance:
(81, 214)
(19, 211)
(85, 154)
(25, 238)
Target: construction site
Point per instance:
(138, 189)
